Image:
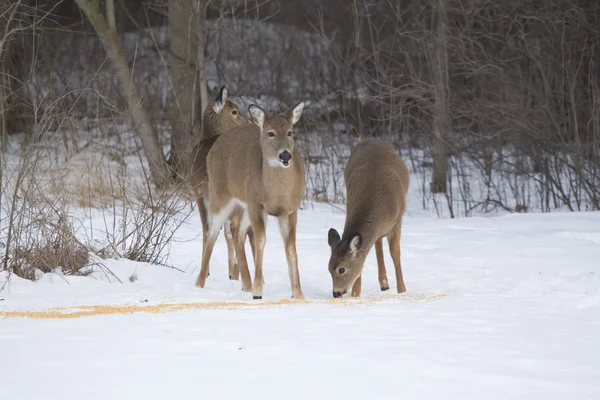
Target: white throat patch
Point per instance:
(278, 164)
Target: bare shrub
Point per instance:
(56, 247)
(505, 93)
(141, 220)
(38, 232)
(519, 96)
(144, 226)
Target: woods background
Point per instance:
(494, 104)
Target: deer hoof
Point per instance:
(383, 289)
(257, 297)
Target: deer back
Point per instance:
(376, 186)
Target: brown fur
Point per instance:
(247, 179)
(377, 182)
(220, 116)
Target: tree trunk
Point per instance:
(439, 179)
(6, 17)
(144, 128)
(15, 110)
(185, 115)
(110, 14)
(201, 62)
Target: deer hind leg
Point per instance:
(231, 233)
(202, 210)
(287, 226)
(230, 247)
(240, 251)
(213, 233)
(383, 281)
(394, 242)
(215, 220)
(357, 286)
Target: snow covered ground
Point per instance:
(504, 307)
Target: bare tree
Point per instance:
(143, 125)
(10, 27)
(494, 104)
(439, 64)
(7, 13)
(110, 14)
(184, 22)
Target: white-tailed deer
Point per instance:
(255, 170)
(376, 186)
(220, 116)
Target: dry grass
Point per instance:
(94, 190)
(47, 243)
(71, 261)
(87, 185)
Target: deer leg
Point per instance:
(207, 253)
(257, 221)
(230, 247)
(287, 226)
(383, 282)
(231, 233)
(250, 234)
(357, 286)
(240, 251)
(204, 221)
(394, 242)
(253, 247)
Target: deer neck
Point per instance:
(275, 175)
(280, 185)
(362, 226)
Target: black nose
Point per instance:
(337, 294)
(285, 156)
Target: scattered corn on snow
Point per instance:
(503, 307)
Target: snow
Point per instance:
(504, 307)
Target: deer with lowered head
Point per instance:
(219, 116)
(376, 186)
(256, 170)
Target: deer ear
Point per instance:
(257, 115)
(296, 113)
(220, 100)
(354, 243)
(333, 237)
(212, 86)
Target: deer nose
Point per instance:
(337, 295)
(285, 156)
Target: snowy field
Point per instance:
(504, 307)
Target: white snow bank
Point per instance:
(496, 308)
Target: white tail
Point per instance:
(254, 171)
(377, 182)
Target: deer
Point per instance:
(377, 182)
(254, 171)
(219, 116)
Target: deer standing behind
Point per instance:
(377, 182)
(255, 170)
(219, 116)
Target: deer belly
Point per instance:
(275, 211)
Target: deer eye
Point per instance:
(290, 133)
(271, 134)
(341, 270)
(234, 112)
